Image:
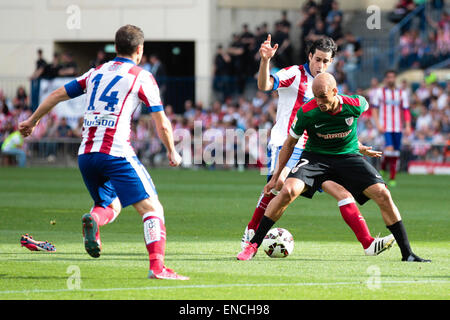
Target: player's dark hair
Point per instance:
(128, 38)
(390, 71)
(324, 44)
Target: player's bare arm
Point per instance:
(266, 51)
(368, 151)
(283, 158)
(165, 133)
(26, 127)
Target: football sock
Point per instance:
(399, 232)
(384, 162)
(155, 240)
(103, 215)
(264, 227)
(352, 216)
(260, 209)
(393, 167)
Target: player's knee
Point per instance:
(116, 205)
(149, 205)
(288, 193)
(381, 194)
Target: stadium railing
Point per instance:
(62, 152)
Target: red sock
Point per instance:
(355, 221)
(384, 162)
(155, 240)
(260, 210)
(393, 167)
(103, 215)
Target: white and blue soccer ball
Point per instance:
(278, 243)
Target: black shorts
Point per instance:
(351, 171)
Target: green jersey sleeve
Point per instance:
(298, 125)
(364, 104)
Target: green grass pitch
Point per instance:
(206, 213)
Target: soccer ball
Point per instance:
(278, 243)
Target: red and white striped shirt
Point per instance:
(294, 85)
(114, 90)
(393, 108)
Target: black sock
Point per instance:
(264, 227)
(399, 232)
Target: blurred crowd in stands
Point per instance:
(235, 64)
(427, 42)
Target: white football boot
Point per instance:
(379, 245)
(248, 235)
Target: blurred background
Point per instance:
(204, 56)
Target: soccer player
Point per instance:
(111, 171)
(294, 85)
(391, 115)
(330, 153)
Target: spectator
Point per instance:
(335, 15)
(40, 66)
(222, 73)
(237, 54)
(283, 55)
(352, 52)
(21, 100)
(13, 145)
(159, 72)
(307, 23)
(99, 59)
(189, 111)
(284, 22)
(52, 70)
(424, 121)
(145, 64)
(69, 67)
(64, 130)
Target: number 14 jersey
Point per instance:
(113, 92)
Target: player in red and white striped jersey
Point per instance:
(114, 90)
(111, 171)
(294, 85)
(392, 116)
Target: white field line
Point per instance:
(230, 285)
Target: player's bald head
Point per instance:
(323, 83)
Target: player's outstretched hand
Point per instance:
(26, 127)
(266, 51)
(367, 151)
(174, 158)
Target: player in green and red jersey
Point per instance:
(331, 153)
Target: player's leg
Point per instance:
(388, 148)
(292, 188)
(391, 216)
(305, 178)
(106, 204)
(349, 211)
(264, 200)
(135, 187)
(395, 157)
(106, 215)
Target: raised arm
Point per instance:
(265, 81)
(26, 127)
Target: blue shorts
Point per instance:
(393, 139)
(272, 155)
(107, 177)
